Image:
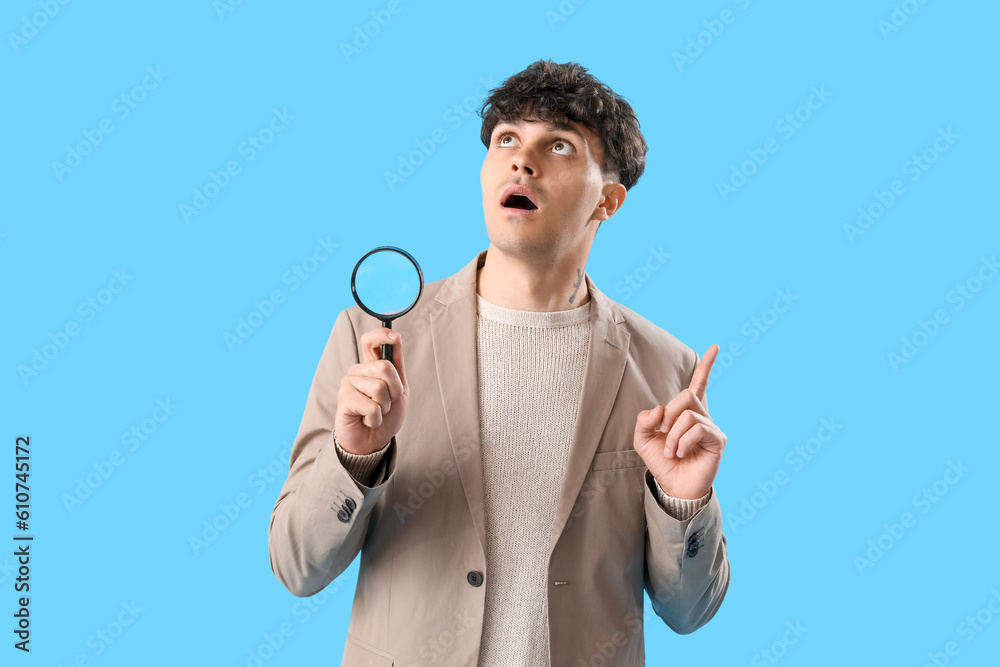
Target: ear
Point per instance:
(612, 198)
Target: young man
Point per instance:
(509, 487)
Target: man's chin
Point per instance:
(527, 249)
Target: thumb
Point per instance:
(646, 422)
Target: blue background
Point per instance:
(350, 119)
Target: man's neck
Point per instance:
(512, 283)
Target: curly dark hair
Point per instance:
(555, 92)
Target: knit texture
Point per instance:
(363, 467)
(531, 367)
(681, 509)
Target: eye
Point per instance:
(500, 139)
(567, 146)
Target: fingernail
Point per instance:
(393, 335)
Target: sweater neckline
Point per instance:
(532, 318)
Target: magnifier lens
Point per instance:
(387, 282)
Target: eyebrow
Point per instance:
(554, 125)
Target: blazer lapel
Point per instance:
(453, 331)
(603, 375)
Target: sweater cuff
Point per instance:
(361, 466)
(681, 509)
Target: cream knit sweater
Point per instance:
(531, 367)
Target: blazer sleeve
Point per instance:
(320, 519)
(687, 565)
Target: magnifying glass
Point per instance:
(387, 283)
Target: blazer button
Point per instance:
(475, 578)
(344, 515)
(692, 550)
(350, 504)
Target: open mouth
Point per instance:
(520, 201)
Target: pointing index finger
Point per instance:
(699, 381)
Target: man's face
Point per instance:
(559, 164)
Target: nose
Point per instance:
(522, 161)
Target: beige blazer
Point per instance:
(421, 528)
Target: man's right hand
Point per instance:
(371, 403)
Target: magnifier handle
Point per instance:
(386, 348)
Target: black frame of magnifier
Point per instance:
(387, 323)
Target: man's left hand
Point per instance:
(679, 442)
